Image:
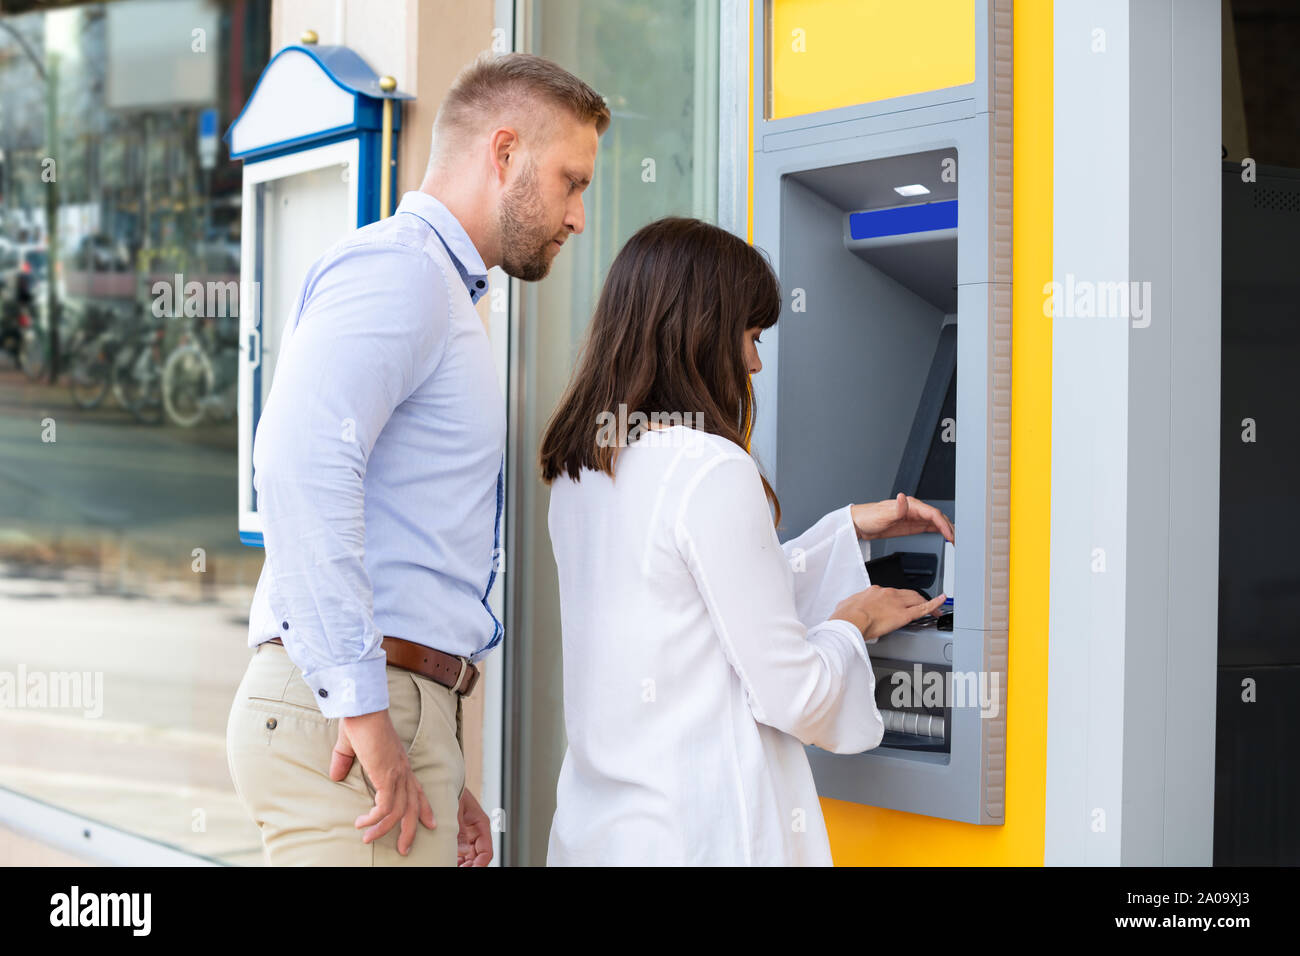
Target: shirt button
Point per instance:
(284, 625)
(270, 724)
(323, 692)
(479, 283)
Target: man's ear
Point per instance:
(502, 144)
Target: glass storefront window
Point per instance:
(657, 63)
(124, 590)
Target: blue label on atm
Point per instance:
(901, 220)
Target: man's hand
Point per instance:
(474, 842)
(904, 515)
(399, 798)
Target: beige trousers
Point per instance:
(279, 746)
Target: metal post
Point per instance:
(52, 212)
(387, 84)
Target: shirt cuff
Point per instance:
(349, 690)
(860, 564)
(864, 548)
(847, 630)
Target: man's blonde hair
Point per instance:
(509, 88)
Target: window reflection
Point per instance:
(124, 591)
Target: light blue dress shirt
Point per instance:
(378, 460)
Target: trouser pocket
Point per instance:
(435, 749)
(279, 748)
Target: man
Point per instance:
(378, 469)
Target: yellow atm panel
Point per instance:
(918, 95)
(825, 54)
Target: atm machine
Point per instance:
(889, 225)
(316, 137)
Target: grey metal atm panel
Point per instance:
(846, 367)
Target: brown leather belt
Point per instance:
(455, 673)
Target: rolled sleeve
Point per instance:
(346, 690)
(371, 328)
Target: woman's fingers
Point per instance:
(933, 515)
(912, 598)
(917, 605)
(909, 597)
(934, 607)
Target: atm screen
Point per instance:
(939, 474)
(928, 469)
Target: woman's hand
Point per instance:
(893, 519)
(879, 611)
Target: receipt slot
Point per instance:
(889, 224)
(314, 137)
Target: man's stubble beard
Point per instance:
(524, 237)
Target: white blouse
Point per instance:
(698, 660)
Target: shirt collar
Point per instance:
(453, 235)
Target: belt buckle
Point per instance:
(473, 672)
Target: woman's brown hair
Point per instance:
(667, 340)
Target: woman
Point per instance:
(699, 653)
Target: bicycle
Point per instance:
(92, 366)
(137, 374)
(193, 385)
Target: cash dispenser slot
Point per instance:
(912, 705)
